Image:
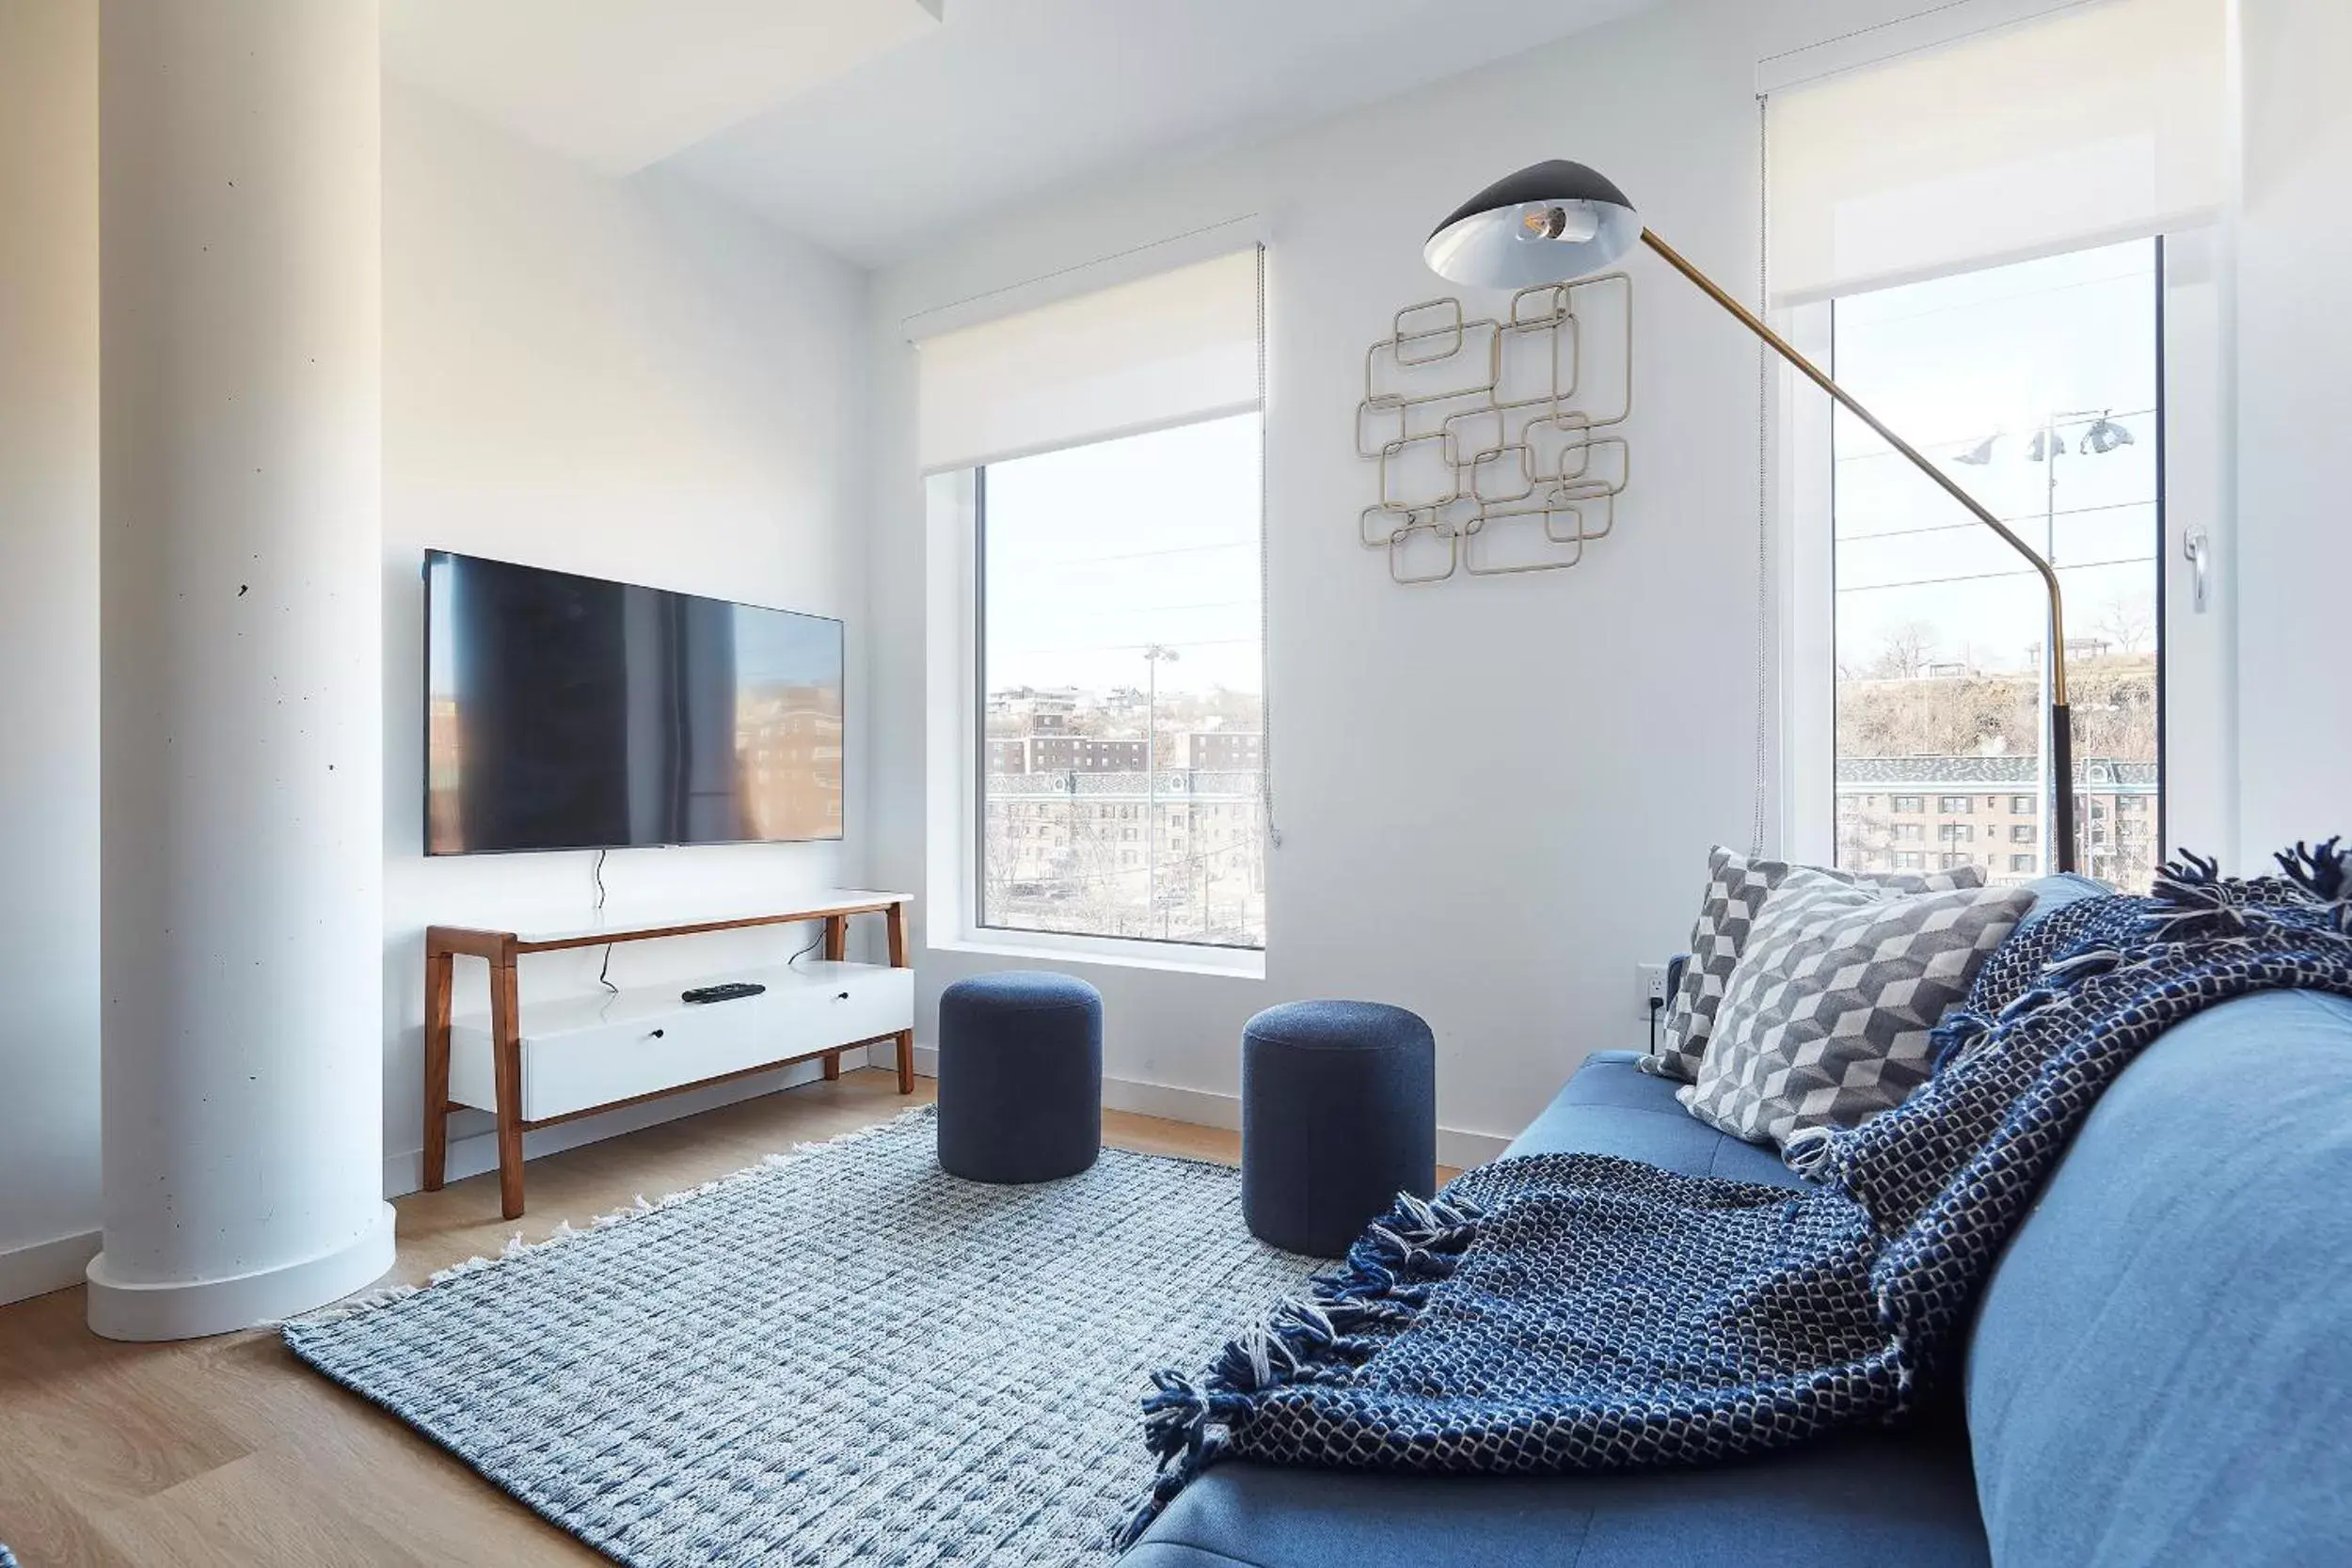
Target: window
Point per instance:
(1119, 603)
(1956, 832)
(1910, 833)
(1910, 860)
(2023, 832)
(2006, 290)
(2036, 382)
(2029, 865)
(1910, 802)
(1094, 481)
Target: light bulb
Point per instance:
(1545, 221)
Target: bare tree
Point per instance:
(2127, 622)
(1000, 859)
(1906, 651)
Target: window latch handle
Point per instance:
(2198, 547)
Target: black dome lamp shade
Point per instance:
(1556, 221)
(1548, 222)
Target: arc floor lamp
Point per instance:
(1558, 220)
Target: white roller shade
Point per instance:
(1178, 346)
(2104, 122)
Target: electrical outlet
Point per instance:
(1652, 979)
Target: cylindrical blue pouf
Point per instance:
(1339, 1114)
(1020, 1077)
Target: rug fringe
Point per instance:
(564, 1232)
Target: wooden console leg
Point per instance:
(837, 949)
(507, 1054)
(896, 922)
(437, 988)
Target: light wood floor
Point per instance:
(229, 1452)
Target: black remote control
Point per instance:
(732, 990)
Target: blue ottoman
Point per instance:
(1339, 1114)
(1020, 1077)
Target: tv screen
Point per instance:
(566, 712)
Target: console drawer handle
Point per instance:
(656, 1034)
(843, 997)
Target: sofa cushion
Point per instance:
(2161, 1368)
(1611, 1107)
(1827, 1020)
(1738, 886)
(1870, 1498)
(2053, 893)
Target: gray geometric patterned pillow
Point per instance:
(1826, 1020)
(1737, 887)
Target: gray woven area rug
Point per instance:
(844, 1356)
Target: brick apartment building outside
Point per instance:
(1912, 813)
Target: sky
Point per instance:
(1093, 553)
(1951, 362)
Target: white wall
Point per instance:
(49, 1169)
(1497, 795)
(2295, 406)
(632, 380)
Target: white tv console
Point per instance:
(578, 1057)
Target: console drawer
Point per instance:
(583, 1052)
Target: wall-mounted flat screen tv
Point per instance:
(566, 712)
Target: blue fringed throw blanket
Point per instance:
(1577, 1312)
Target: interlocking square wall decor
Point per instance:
(1496, 438)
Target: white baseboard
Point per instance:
(1462, 1148)
(41, 1267)
(1207, 1108)
(475, 1153)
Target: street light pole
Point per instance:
(2053, 446)
(2051, 743)
(2056, 749)
(1154, 654)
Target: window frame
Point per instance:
(2194, 635)
(977, 933)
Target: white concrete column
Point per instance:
(240, 213)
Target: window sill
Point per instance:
(1232, 963)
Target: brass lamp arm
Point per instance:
(1845, 400)
(2062, 727)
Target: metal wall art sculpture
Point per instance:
(1493, 459)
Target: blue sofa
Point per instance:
(2160, 1370)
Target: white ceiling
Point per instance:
(871, 126)
(1009, 98)
(620, 84)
